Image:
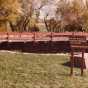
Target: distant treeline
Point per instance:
(24, 16)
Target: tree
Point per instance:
(11, 11)
(73, 15)
(31, 12)
(52, 25)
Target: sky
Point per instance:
(50, 8)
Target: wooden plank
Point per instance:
(3, 37)
(62, 34)
(14, 37)
(43, 36)
(60, 38)
(27, 37)
(39, 36)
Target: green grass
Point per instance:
(38, 71)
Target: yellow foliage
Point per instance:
(13, 8)
(32, 22)
(2, 27)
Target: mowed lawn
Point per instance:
(18, 70)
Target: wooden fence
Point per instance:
(38, 36)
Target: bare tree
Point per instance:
(52, 24)
(71, 15)
(30, 9)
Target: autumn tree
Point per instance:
(31, 14)
(11, 11)
(85, 17)
(73, 15)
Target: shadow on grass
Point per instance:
(77, 64)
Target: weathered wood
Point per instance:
(38, 36)
(77, 44)
(43, 36)
(14, 37)
(27, 37)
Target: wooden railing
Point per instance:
(38, 36)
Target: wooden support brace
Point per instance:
(82, 63)
(72, 63)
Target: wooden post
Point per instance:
(51, 36)
(72, 63)
(33, 42)
(34, 36)
(77, 44)
(82, 63)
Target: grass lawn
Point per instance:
(38, 71)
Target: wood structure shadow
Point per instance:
(38, 47)
(77, 63)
